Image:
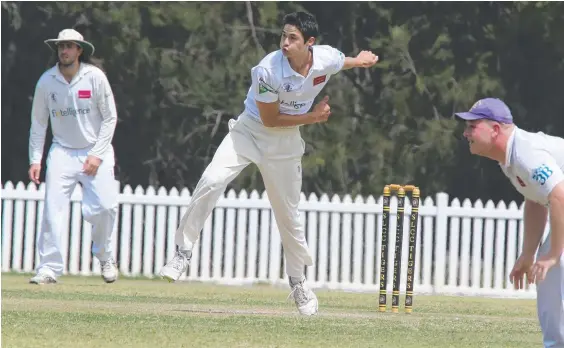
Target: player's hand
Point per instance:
(541, 267)
(521, 268)
(366, 59)
(34, 171)
(322, 110)
(91, 165)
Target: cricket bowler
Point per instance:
(267, 133)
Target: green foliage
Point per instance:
(180, 71)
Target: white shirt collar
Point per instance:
(83, 69)
(287, 70)
(509, 149)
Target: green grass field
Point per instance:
(85, 312)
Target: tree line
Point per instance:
(181, 70)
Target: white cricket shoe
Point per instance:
(109, 270)
(177, 266)
(43, 276)
(305, 299)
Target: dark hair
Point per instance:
(304, 22)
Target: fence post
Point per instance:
(440, 240)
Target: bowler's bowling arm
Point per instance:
(271, 116)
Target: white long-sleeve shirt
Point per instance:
(83, 112)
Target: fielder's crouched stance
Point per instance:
(534, 163)
(77, 99)
(284, 86)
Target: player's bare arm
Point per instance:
(271, 116)
(535, 216)
(552, 258)
(365, 59)
(556, 199)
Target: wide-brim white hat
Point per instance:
(74, 36)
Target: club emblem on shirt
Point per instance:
(288, 87)
(521, 182)
(53, 97)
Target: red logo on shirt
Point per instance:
(319, 79)
(84, 94)
(521, 182)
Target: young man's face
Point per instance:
(481, 135)
(292, 41)
(68, 52)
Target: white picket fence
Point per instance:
(466, 248)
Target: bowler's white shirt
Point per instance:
(534, 164)
(82, 113)
(274, 80)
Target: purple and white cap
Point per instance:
(489, 109)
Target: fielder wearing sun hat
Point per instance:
(75, 99)
(71, 35)
(490, 109)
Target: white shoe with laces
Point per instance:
(305, 298)
(109, 270)
(177, 266)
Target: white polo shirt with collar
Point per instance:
(534, 164)
(274, 80)
(82, 113)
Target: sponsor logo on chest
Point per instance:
(293, 104)
(69, 110)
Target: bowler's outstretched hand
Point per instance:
(367, 59)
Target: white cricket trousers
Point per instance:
(550, 302)
(277, 152)
(99, 203)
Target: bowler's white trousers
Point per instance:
(550, 302)
(99, 203)
(277, 152)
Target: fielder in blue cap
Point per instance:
(534, 163)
